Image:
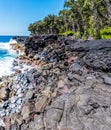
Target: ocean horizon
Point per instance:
(6, 38)
(7, 55)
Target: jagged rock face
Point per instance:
(80, 110)
(81, 100)
(20, 39)
(33, 44)
(71, 91)
(78, 101)
(96, 54)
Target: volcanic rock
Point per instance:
(69, 89)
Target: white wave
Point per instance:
(12, 41)
(6, 66)
(6, 63)
(6, 45)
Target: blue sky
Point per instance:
(16, 15)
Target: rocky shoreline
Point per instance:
(66, 86)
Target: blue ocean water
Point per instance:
(7, 55)
(5, 38)
(4, 52)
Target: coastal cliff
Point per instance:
(68, 86)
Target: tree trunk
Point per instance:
(108, 4)
(96, 21)
(73, 26)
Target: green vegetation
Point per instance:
(106, 33)
(83, 18)
(68, 33)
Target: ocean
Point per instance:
(7, 55)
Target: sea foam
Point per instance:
(7, 56)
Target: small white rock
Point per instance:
(19, 101)
(2, 123)
(89, 78)
(13, 99)
(2, 114)
(12, 105)
(20, 95)
(19, 91)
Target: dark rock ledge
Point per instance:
(71, 90)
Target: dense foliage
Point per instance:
(82, 17)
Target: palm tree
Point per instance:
(76, 15)
(32, 28)
(63, 14)
(97, 10)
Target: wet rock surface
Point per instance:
(67, 88)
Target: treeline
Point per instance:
(82, 18)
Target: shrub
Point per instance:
(68, 33)
(78, 35)
(106, 33)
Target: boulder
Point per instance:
(43, 100)
(4, 92)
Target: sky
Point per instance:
(16, 15)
